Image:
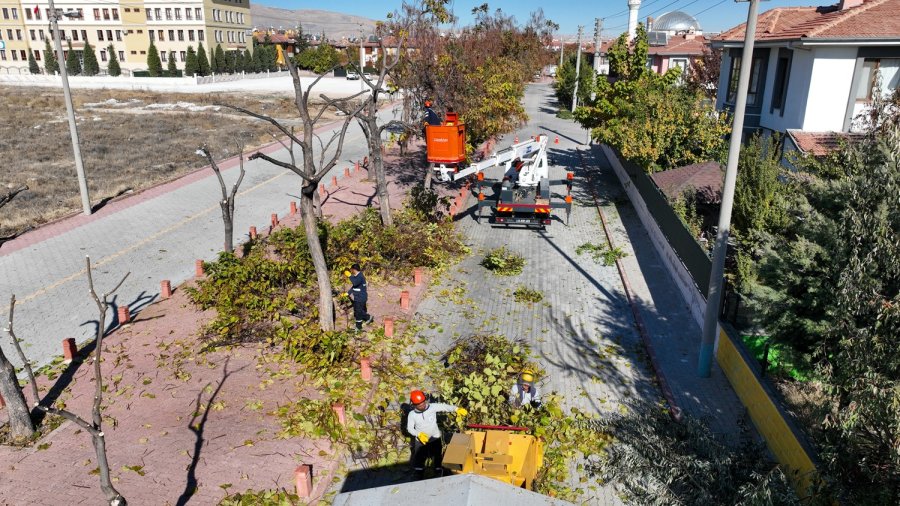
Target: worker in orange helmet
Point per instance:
(422, 424)
(431, 117)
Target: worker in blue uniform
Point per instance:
(359, 295)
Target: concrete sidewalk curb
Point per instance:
(675, 410)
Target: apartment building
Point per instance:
(128, 26)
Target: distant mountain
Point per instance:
(335, 24)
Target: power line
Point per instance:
(710, 7)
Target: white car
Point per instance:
(370, 77)
(352, 76)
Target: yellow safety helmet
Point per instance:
(526, 376)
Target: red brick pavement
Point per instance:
(156, 381)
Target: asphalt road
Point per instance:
(154, 235)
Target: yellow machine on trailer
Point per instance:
(501, 452)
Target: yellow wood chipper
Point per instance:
(501, 452)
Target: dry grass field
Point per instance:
(129, 140)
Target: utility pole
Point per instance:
(598, 26)
(577, 68)
(362, 59)
(714, 296)
(67, 95)
(562, 49)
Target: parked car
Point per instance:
(370, 77)
(352, 76)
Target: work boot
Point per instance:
(370, 320)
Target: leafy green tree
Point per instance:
(73, 63)
(113, 68)
(650, 119)
(154, 65)
(191, 67)
(232, 61)
(32, 63)
(51, 64)
(565, 82)
(219, 65)
(172, 68)
(202, 61)
(91, 66)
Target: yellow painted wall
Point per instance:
(138, 40)
(766, 417)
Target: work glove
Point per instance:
(347, 273)
(461, 412)
(423, 438)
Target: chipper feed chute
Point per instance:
(501, 452)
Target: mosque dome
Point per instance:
(676, 21)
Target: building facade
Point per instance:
(126, 26)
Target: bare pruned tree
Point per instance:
(312, 171)
(6, 199)
(289, 146)
(227, 202)
(94, 427)
(21, 426)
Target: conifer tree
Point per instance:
(73, 63)
(91, 67)
(154, 65)
(247, 61)
(190, 62)
(232, 61)
(32, 63)
(113, 69)
(51, 64)
(258, 61)
(219, 60)
(173, 66)
(202, 61)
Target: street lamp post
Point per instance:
(577, 69)
(714, 297)
(70, 109)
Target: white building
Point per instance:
(813, 67)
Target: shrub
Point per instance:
(601, 254)
(503, 262)
(525, 294)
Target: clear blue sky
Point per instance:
(713, 15)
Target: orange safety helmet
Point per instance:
(417, 397)
(428, 103)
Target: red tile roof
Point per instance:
(873, 19)
(706, 178)
(680, 45)
(820, 143)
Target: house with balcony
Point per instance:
(814, 69)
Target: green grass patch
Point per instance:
(525, 294)
(601, 254)
(780, 360)
(503, 262)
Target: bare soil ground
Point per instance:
(129, 140)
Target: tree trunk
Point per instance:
(227, 211)
(317, 204)
(308, 214)
(381, 188)
(113, 497)
(429, 173)
(20, 424)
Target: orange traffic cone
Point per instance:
(516, 140)
(557, 140)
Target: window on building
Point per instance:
(115, 14)
(6, 13)
(162, 56)
(178, 13)
(181, 35)
(96, 14)
(157, 12)
(118, 35)
(888, 69)
(198, 13)
(753, 90)
(15, 55)
(3, 54)
(171, 35)
(37, 14)
(100, 35)
(168, 13)
(37, 55)
(83, 35)
(149, 15)
(41, 34)
(106, 14)
(183, 55)
(121, 55)
(18, 34)
(9, 34)
(143, 52)
(188, 14)
(128, 9)
(201, 35)
(109, 35)
(32, 34)
(15, 13)
(28, 14)
(191, 35)
(23, 54)
(102, 55)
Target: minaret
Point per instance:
(633, 6)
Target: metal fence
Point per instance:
(691, 252)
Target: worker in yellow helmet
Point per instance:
(524, 392)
